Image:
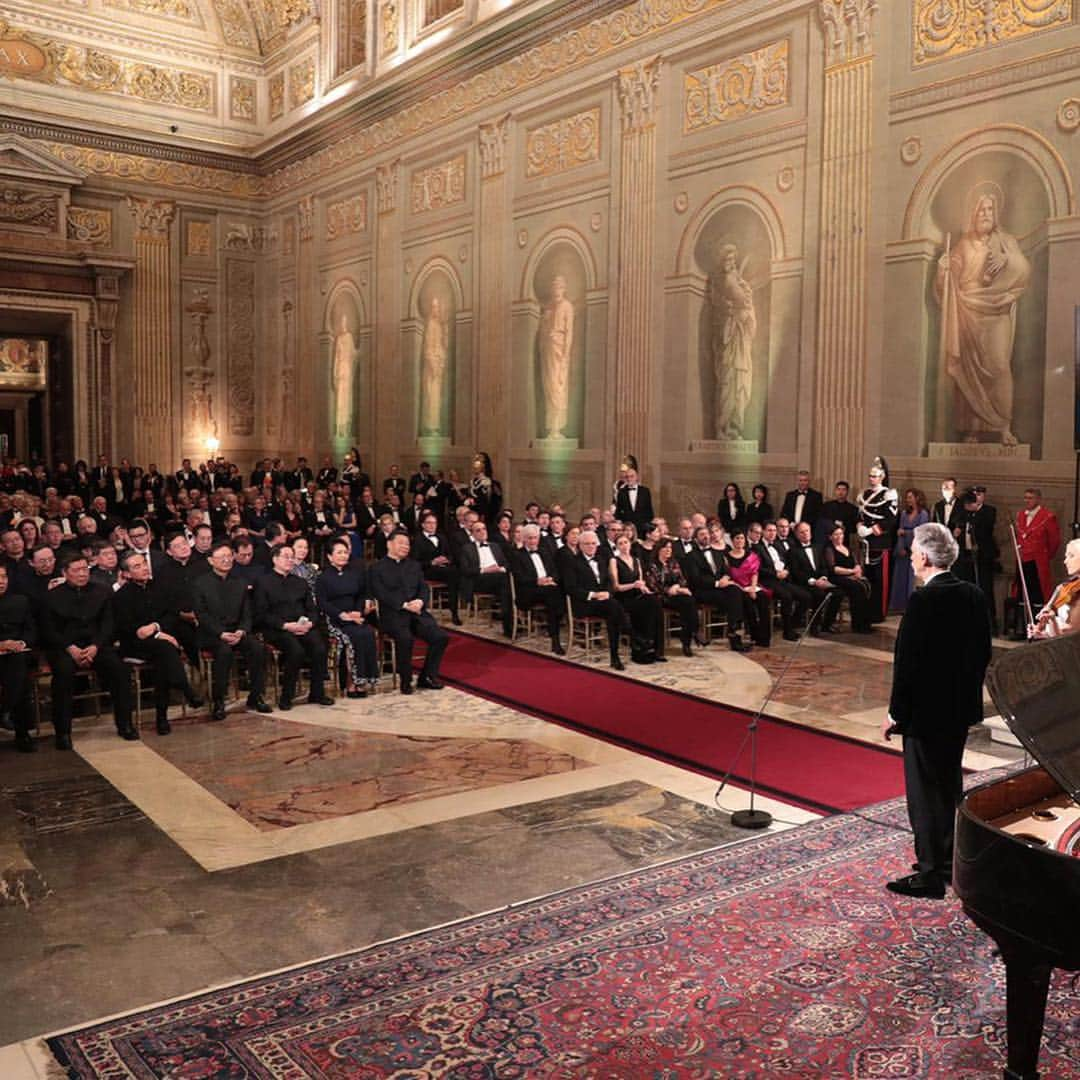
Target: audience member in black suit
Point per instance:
(421, 481)
(485, 569)
(432, 551)
(684, 545)
(759, 509)
(808, 571)
(78, 632)
(633, 502)
(567, 553)
(846, 574)
(980, 520)
(588, 584)
(18, 635)
(838, 509)
(394, 483)
(14, 560)
(141, 539)
(711, 584)
(146, 629)
(536, 581)
(187, 479)
(397, 582)
(223, 608)
(244, 566)
(731, 509)
(285, 614)
(942, 650)
(775, 575)
(342, 593)
(804, 503)
(410, 516)
(665, 577)
(949, 510)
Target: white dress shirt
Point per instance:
(483, 552)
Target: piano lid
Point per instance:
(1036, 688)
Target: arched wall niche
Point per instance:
(436, 304)
(347, 377)
(1030, 186)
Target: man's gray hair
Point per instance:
(589, 534)
(937, 544)
(531, 530)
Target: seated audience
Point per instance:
(587, 581)
(847, 576)
(536, 581)
(485, 569)
(707, 572)
(341, 591)
(775, 574)
(808, 570)
(18, 636)
(432, 551)
(743, 566)
(638, 601)
(666, 579)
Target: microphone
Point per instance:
(753, 818)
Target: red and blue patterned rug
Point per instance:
(779, 957)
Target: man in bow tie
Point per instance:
(588, 584)
(634, 502)
(484, 570)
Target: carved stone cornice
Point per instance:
(848, 27)
(386, 186)
(153, 217)
(493, 139)
(638, 85)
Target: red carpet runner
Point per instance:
(817, 770)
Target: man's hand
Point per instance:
(888, 728)
(724, 582)
(149, 630)
(189, 616)
(162, 636)
(415, 606)
(496, 569)
(230, 637)
(11, 645)
(440, 560)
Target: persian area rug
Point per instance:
(817, 770)
(779, 957)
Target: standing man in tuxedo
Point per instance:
(432, 551)
(947, 510)
(536, 581)
(980, 519)
(634, 502)
(394, 483)
(397, 582)
(942, 650)
(804, 503)
(484, 569)
(588, 584)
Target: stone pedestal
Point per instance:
(557, 446)
(432, 444)
(981, 451)
(724, 446)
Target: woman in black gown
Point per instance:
(341, 591)
(847, 575)
(666, 579)
(639, 602)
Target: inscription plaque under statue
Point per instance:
(1019, 452)
(724, 446)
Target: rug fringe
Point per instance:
(55, 1071)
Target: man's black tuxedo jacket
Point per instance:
(524, 569)
(942, 650)
(424, 551)
(640, 515)
(393, 583)
(799, 564)
(579, 580)
(469, 559)
(811, 507)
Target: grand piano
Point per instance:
(1016, 864)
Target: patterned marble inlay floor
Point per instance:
(277, 774)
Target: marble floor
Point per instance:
(135, 873)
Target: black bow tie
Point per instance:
(482, 545)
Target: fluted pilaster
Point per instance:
(638, 90)
(840, 374)
(492, 406)
(388, 413)
(152, 338)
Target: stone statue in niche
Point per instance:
(733, 325)
(979, 281)
(344, 363)
(556, 342)
(433, 356)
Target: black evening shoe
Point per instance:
(63, 742)
(686, 649)
(790, 635)
(919, 886)
(128, 732)
(322, 699)
(699, 641)
(162, 723)
(24, 742)
(455, 618)
(194, 701)
(360, 692)
(659, 659)
(407, 688)
(737, 644)
(557, 649)
(617, 664)
(284, 704)
(255, 704)
(429, 682)
(218, 710)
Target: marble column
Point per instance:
(637, 90)
(308, 318)
(493, 352)
(99, 369)
(152, 366)
(840, 388)
(391, 416)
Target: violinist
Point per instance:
(1061, 614)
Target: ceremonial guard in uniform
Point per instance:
(878, 505)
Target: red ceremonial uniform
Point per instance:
(1039, 542)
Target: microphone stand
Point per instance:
(754, 818)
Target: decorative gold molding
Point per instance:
(200, 239)
(493, 139)
(243, 98)
(1068, 115)
(178, 10)
(276, 90)
(945, 28)
(235, 22)
(86, 226)
(29, 210)
(152, 217)
(752, 82)
(438, 186)
(388, 27)
(301, 82)
(305, 210)
(386, 186)
(346, 217)
(564, 144)
(848, 28)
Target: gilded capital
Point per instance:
(386, 186)
(848, 29)
(638, 86)
(152, 217)
(493, 138)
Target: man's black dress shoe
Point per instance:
(407, 688)
(322, 699)
(24, 743)
(660, 659)
(924, 888)
(128, 733)
(455, 618)
(947, 878)
(63, 742)
(354, 694)
(737, 644)
(428, 682)
(557, 649)
(699, 641)
(284, 704)
(256, 704)
(686, 650)
(617, 664)
(791, 636)
(194, 701)
(162, 723)
(218, 711)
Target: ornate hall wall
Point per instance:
(708, 232)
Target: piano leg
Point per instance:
(1027, 982)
